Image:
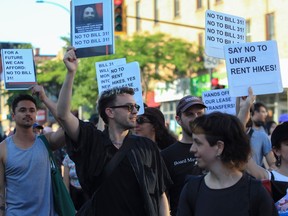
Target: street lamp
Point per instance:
(54, 3)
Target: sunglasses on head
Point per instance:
(142, 120)
(130, 107)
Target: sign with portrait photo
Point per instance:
(92, 32)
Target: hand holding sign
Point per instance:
(253, 64)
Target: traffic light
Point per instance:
(119, 15)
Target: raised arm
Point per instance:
(40, 92)
(57, 139)
(244, 104)
(68, 121)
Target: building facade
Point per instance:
(265, 20)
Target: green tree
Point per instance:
(160, 57)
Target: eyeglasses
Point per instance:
(130, 107)
(141, 120)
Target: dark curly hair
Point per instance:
(107, 99)
(22, 97)
(227, 128)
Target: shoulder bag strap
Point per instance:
(117, 158)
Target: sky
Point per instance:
(41, 24)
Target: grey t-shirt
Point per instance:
(28, 180)
(260, 144)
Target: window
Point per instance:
(248, 31)
(176, 8)
(199, 4)
(138, 21)
(270, 27)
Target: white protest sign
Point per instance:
(18, 68)
(103, 73)
(253, 64)
(222, 29)
(92, 25)
(128, 75)
(219, 100)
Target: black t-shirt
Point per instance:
(133, 187)
(245, 198)
(126, 198)
(180, 162)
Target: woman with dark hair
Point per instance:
(270, 126)
(221, 146)
(152, 125)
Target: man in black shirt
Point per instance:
(178, 158)
(137, 185)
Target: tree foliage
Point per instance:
(160, 57)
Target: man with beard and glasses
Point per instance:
(260, 142)
(136, 184)
(178, 158)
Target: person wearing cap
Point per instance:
(178, 158)
(152, 125)
(283, 118)
(37, 129)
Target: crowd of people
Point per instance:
(135, 165)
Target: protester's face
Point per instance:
(272, 128)
(123, 117)
(144, 127)
(261, 115)
(204, 153)
(25, 113)
(88, 14)
(37, 131)
(189, 116)
(283, 152)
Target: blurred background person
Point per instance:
(37, 128)
(71, 181)
(152, 125)
(270, 126)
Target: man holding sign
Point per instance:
(124, 174)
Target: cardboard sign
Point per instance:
(219, 100)
(253, 64)
(18, 68)
(222, 29)
(92, 31)
(103, 73)
(128, 75)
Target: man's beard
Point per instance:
(187, 131)
(259, 123)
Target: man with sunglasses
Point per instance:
(179, 160)
(136, 185)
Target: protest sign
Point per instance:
(18, 68)
(128, 75)
(221, 29)
(253, 64)
(92, 31)
(219, 100)
(103, 73)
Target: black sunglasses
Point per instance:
(141, 120)
(130, 107)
